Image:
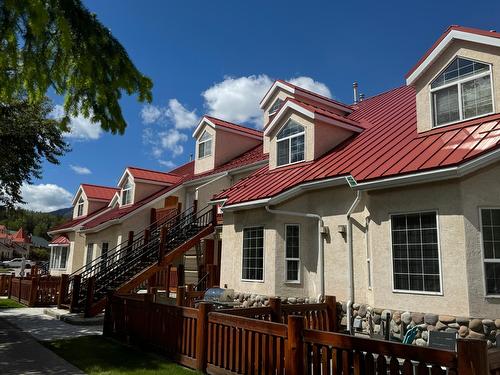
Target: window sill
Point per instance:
(492, 296)
(398, 291)
(294, 283)
(252, 281)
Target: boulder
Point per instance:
(292, 300)
(394, 327)
(396, 317)
(417, 318)
(431, 319)
(425, 335)
(463, 331)
(489, 323)
(440, 326)
(301, 300)
(421, 342)
(355, 306)
(245, 304)
(497, 323)
(475, 335)
(454, 325)
(344, 307)
(406, 317)
(462, 321)
(431, 328)
(362, 311)
(451, 330)
(343, 321)
(378, 311)
(384, 314)
(376, 318)
(476, 325)
(447, 319)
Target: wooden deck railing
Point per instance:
(5, 284)
(35, 291)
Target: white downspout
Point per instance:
(351, 260)
(321, 248)
(208, 183)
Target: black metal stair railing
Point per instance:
(144, 253)
(107, 262)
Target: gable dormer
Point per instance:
(91, 198)
(218, 142)
(457, 79)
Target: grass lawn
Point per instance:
(97, 355)
(6, 270)
(6, 303)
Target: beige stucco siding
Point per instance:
(143, 190)
(229, 145)
(206, 163)
(464, 49)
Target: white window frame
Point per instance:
(90, 251)
(79, 207)
(483, 259)
(289, 138)
(403, 291)
(298, 281)
(205, 148)
(459, 83)
(263, 254)
(57, 251)
(271, 111)
(129, 191)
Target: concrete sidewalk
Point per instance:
(21, 354)
(42, 327)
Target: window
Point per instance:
(58, 257)
(276, 105)
(290, 143)
(253, 254)
(490, 229)
(415, 252)
(127, 193)
(90, 254)
(292, 252)
(104, 254)
(80, 207)
(462, 91)
(204, 145)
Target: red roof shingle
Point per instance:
(232, 126)
(99, 192)
(156, 176)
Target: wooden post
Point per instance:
(90, 297)
(152, 216)
(294, 361)
(202, 336)
(181, 295)
(167, 280)
(11, 277)
(275, 305)
(161, 248)
(107, 325)
(77, 280)
(195, 206)
(33, 291)
(20, 289)
(63, 290)
(214, 215)
(472, 357)
(179, 211)
(210, 277)
(148, 307)
(331, 309)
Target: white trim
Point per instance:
(483, 259)
(58, 245)
(206, 121)
(270, 92)
(299, 280)
(79, 192)
(289, 139)
(404, 291)
(263, 280)
(438, 50)
(312, 115)
(151, 182)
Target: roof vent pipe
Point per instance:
(355, 92)
(361, 97)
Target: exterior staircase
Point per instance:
(130, 264)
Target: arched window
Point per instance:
(462, 91)
(204, 145)
(290, 143)
(127, 193)
(79, 208)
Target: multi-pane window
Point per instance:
(415, 252)
(90, 254)
(58, 257)
(253, 254)
(292, 252)
(290, 143)
(461, 91)
(204, 145)
(127, 193)
(276, 105)
(490, 222)
(80, 207)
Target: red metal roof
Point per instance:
(60, 240)
(150, 175)
(471, 30)
(99, 192)
(232, 126)
(389, 146)
(21, 236)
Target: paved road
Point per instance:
(21, 354)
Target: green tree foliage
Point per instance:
(27, 137)
(59, 44)
(35, 223)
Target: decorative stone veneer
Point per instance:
(371, 319)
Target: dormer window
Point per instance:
(204, 145)
(79, 208)
(127, 193)
(462, 91)
(290, 143)
(276, 105)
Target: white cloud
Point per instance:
(237, 99)
(81, 128)
(80, 170)
(45, 197)
(310, 84)
(171, 140)
(150, 114)
(180, 116)
(167, 163)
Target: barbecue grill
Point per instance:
(220, 298)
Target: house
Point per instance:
(391, 201)
(14, 243)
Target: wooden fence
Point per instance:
(34, 291)
(5, 284)
(217, 342)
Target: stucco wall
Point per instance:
(230, 145)
(206, 163)
(143, 190)
(465, 49)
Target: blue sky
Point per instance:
(218, 56)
